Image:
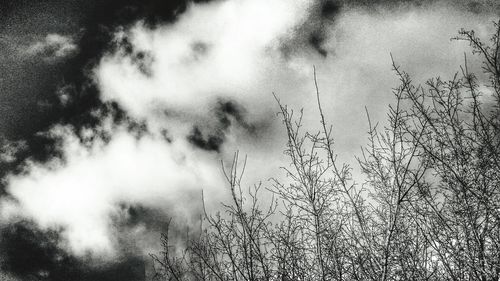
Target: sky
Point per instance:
(117, 114)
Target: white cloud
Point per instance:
(53, 46)
(214, 50)
(82, 192)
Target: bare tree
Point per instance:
(428, 208)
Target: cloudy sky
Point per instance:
(117, 114)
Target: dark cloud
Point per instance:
(319, 21)
(143, 60)
(316, 39)
(312, 34)
(154, 221)
(133, 215)
(329, 8)
(212, 134)
(33, 254)
(211, 142)
(474, 6)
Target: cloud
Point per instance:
(29, 253)
(214, 54)
(9, 150)
(80, 193)
(213, 50)
(202, 86)
(53, 46)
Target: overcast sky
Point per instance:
(116, 114)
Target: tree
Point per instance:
(429, 208)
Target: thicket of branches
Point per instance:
(428, 210)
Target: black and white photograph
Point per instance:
(249, 140)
